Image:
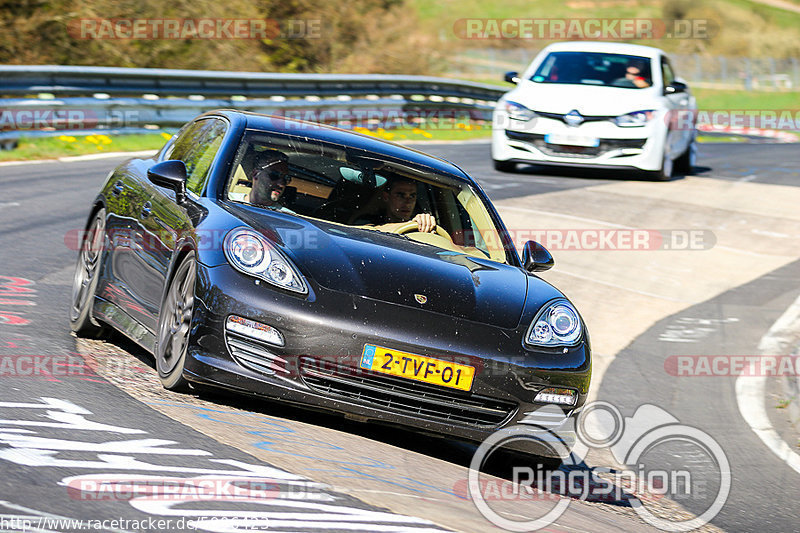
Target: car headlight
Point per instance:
(557, 324)
(250, 253)
(517, 111)
(636, 118)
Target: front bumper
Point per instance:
(325, 335)
(618, 147)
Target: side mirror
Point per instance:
(171, 175)
(676, 87)
(511, 77)
(536, 258)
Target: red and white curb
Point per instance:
(778, 135)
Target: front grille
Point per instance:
(589, 118)
(405, 396)
(606, 145)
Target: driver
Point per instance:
(270, 176)
(634, 73)
(400, 197)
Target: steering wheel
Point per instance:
(411, 226)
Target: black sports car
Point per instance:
(318, 266)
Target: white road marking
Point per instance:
(92, 157)
(750, 390)
(629, 289)
(8, 204)
(745, 179)
(502, 207)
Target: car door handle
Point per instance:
(117, 189)
(146, 208)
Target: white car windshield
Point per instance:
(595, 68)
(353, 188)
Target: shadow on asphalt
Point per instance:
(596, 173)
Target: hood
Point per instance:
(395, 269)
(587, 99)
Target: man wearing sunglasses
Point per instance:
(270, 176)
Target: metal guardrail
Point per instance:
(84, 81)
(47, 99)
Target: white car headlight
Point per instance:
(250, 253)
(557, 324)
(636, 118)
(517, 111)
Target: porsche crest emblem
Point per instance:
(421, 298)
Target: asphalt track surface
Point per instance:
(41, 202)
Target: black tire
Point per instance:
(665, 172)
(504, 166)
(174, 325)
(91, 254)
(684, 165)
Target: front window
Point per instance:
(362, 190)
(594, 68)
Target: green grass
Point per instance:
(66, 145)
(55, 147)
(727, 99)
(444, 133)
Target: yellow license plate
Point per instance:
(418, 367)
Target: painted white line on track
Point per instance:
(31, 162)
(750, 389)
(87, 157)
(92, 157)
(500, 207)
(621, 287)
(8, 204)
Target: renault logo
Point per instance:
(573, 118)
(421, 298)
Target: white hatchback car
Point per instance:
(597, 104)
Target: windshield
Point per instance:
(593, 68)
(361, 189)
